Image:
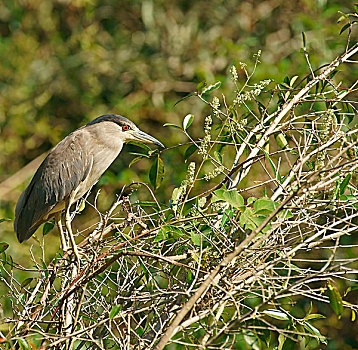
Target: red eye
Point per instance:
(125, 127)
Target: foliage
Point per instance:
(259, 233)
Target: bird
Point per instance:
(69, 171)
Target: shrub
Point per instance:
(247, 250)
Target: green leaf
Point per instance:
(135, 160)
(278, 315)
(251, 200)
(184, 98)
(349, 289)
(48, 226)
(115, 311)
(3, 246)
(218, 157)
(201, 85)
(139, 154)
(211, 87)
(343, 185)
(335, 299)
(345, 27)
(314, 317)
(281, 341)
(251, 340)
(10, 260)
(141, 145)
(281, 141)
(348, 197)
(249, 220)
(304, 39)
(344, 15)
(189, 276)
(189, 151)
(145, 270)
(264, 206)
(232, 197)
(161, 236)
(286, 81)
(126, 236)
(194, 256)
(173, 230)
(24, 345)
(82, 206)
(172, 125)
(5, 219)
(273, 166)
(26, 282)
(156, 173)
(340, 19)
(354, 316)
(187, 121)
(146, 204)
(285, 214)
(44, 267)
(314, 331)
(226, 217)
(196, 238)
(293, 79)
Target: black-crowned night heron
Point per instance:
(70, 170)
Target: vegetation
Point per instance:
(242, 233)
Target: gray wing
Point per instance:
(67, 165)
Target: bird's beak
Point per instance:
(146, 138)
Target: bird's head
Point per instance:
(127, 130)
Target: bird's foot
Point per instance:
(77, 255)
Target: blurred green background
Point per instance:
(63, 63)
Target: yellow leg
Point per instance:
(70, 234)
(64, 242)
